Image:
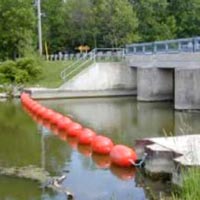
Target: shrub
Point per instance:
(30, 65)
(21, 71)
(22, 76)
(8, 71)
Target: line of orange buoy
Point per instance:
(90, 143)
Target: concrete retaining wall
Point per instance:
(154, 84)
(103, 76)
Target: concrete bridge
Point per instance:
(167, 74)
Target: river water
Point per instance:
(23, 142)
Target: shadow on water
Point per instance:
(90, 176)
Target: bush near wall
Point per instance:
(20, 71)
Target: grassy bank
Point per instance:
(190, 188)
(50, 76)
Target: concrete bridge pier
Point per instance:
(155, 84)
(187, 88)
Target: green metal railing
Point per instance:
(96, 55)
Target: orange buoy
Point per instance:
(55, 118)
(102, 144)
(41, 112)
(63, 123)
(36, 108)
(73, 129)
(86, 136)
(31, 105)
(123, 156)
(24, 96)
(48, 114)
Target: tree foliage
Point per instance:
(66, 24)
(17, 24)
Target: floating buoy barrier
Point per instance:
(73, 129)
(63, 123)
(121, 159)
(86, 136)
(47, 115)
(123, 156)
(102, 144)
(55, 118)
(41, 112)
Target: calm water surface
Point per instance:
(23, 142)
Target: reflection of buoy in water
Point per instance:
(62, 135)
(86, 150)
(102, 161)
(54, 129)
(74, 129)
(47, 124)
(102, 144)
(86, 136)
(122, 155)
(126, 173)
(73, 142)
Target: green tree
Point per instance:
(17, 28)
(53, 21)
(117, 23)
(80, 21)
(155, 20)
(186, 13)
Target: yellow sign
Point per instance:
(82, 48)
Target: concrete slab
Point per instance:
(187, 146)
(45, 93)
(170, 155)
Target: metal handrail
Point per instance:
(91, 56)
(64, 73)
(166, 46)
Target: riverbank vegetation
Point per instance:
(30, 72)
(190, 185)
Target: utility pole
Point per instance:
(39, 26)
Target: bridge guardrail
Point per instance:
(166, 46)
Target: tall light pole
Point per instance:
(39, 26)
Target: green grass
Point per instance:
(51, 70)
(190, 188)
(50, 77)
(77, 69)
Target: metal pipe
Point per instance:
(39, 27)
